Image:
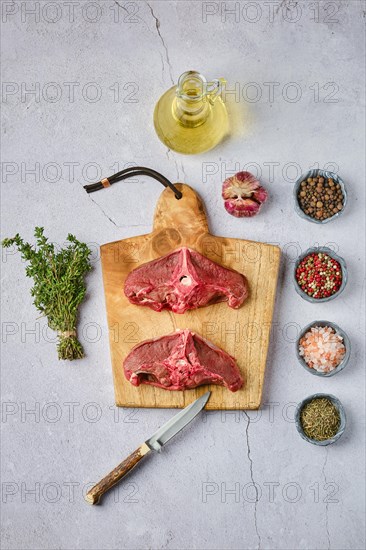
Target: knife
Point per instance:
(154, 443)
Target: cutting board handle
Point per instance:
(133, 171)
(186, 216)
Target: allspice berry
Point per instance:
(320, 198)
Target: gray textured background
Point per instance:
(118, 60)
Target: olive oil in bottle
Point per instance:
(192, 117)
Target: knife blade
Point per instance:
(154, 443)
(176, 423)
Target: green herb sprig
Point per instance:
(59, 286)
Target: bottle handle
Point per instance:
(214, 89)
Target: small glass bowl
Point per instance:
(342, 415)
(346, 342)
(313, 174)
(333, 255)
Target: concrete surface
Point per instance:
(96, 69)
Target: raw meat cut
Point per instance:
(181, 361)
(183, 280)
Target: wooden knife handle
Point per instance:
(93, 496)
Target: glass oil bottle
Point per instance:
(191, 117)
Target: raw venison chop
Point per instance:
(182, 280)
(181, 361)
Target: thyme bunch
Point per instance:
(59, 286)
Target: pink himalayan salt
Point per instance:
(322, 349)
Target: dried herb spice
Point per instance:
(320, 419)
(59, 286)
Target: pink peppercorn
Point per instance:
(319, 275)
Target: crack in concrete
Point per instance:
(122, 7)
(104, 213)
(162, 63)
(112, 220)
(101, 209)
(183, 172)
(168, 153)
(177, 168)
(286, 4)
(252, 479)
(157, 25)
(326, 503)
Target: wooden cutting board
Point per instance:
(244, 333)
